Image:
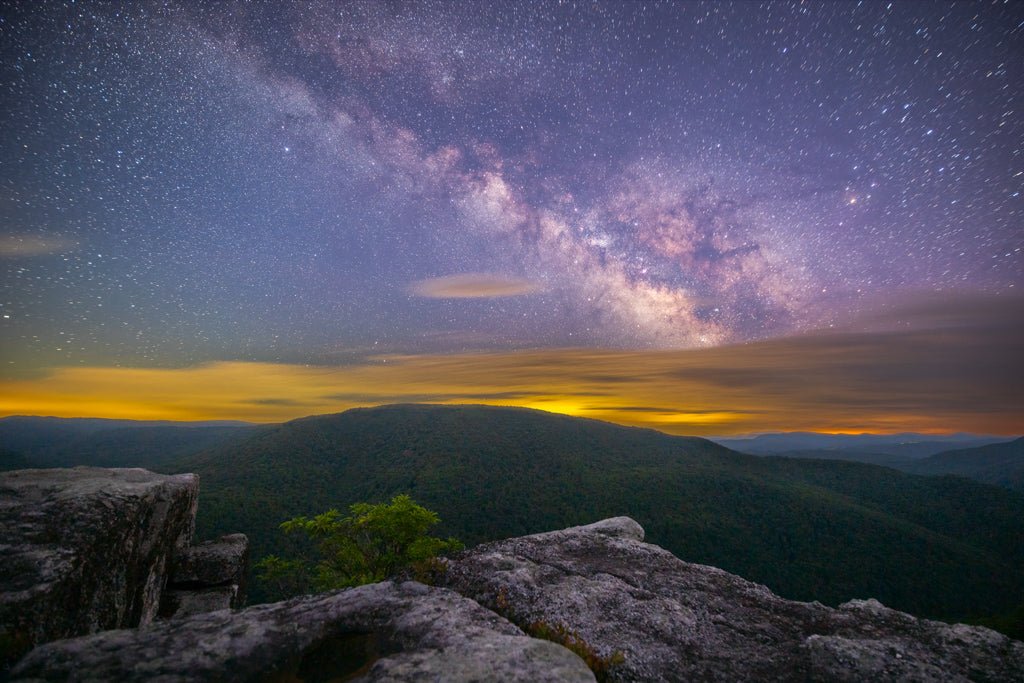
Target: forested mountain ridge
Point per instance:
(990, 460)
(904, 445)
(1001, 464)
(941, 547)
(42, 442)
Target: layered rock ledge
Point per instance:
(676, 621)
(206, 577)
(86, 549)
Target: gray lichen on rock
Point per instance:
(677, 621)
(380, 632)
(86, 549)
(207, 576)
(93, 549)
(211, 563)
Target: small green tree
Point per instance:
(371, 544)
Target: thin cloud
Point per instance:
(473, 286)
(947, 378)
(17, 246)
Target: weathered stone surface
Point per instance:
(676, 621)
(206, 577)
(177, 603)
(86, 549)
(212, 563)
(384, 631)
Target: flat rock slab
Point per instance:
(380, 632)
(86, 549)
(676, 621)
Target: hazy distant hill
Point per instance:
(1000, 463)
(908, 445)
(883, 459)
(810, 529)
(65, 442)
(996, 460)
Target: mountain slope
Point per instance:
(153, 448)
(897, 462)
(10, 460)
(40, 438)
(990, 460)
(1001, 464)
(61, 442)
(808, 529)
(907, 445)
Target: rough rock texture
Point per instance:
(86, 549)
(185, 603)
(207, 577)
(213, 563)
(384, 631)
(677, 621)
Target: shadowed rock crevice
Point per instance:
(337, 658)
(207, 577)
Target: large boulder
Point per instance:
(650, 616)
(380, 632)
(86, 549)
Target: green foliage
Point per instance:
(1010, 623)
(559, 633)
(1001, 464)
(431, 571)
(940, 547)
(284, 578)
(372, 543)
(41, 442)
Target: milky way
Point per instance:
(312, 183)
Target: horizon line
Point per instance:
(711, 437)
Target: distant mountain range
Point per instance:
(65, 442)
(989, 459)
(908, 445)
(810, 529)
(1001, 464)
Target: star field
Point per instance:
(320, 182)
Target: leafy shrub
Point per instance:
(372, 543)
(569, 639)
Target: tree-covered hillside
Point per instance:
(1001, 464)
(53, 442)
(942, 547)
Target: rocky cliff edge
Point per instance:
(632, 610)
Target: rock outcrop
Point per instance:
(206, 577)
(380, 632)
(675, 621)
(89, 549)
(86, 549)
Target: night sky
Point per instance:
(654, 213)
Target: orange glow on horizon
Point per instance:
(802, 384)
